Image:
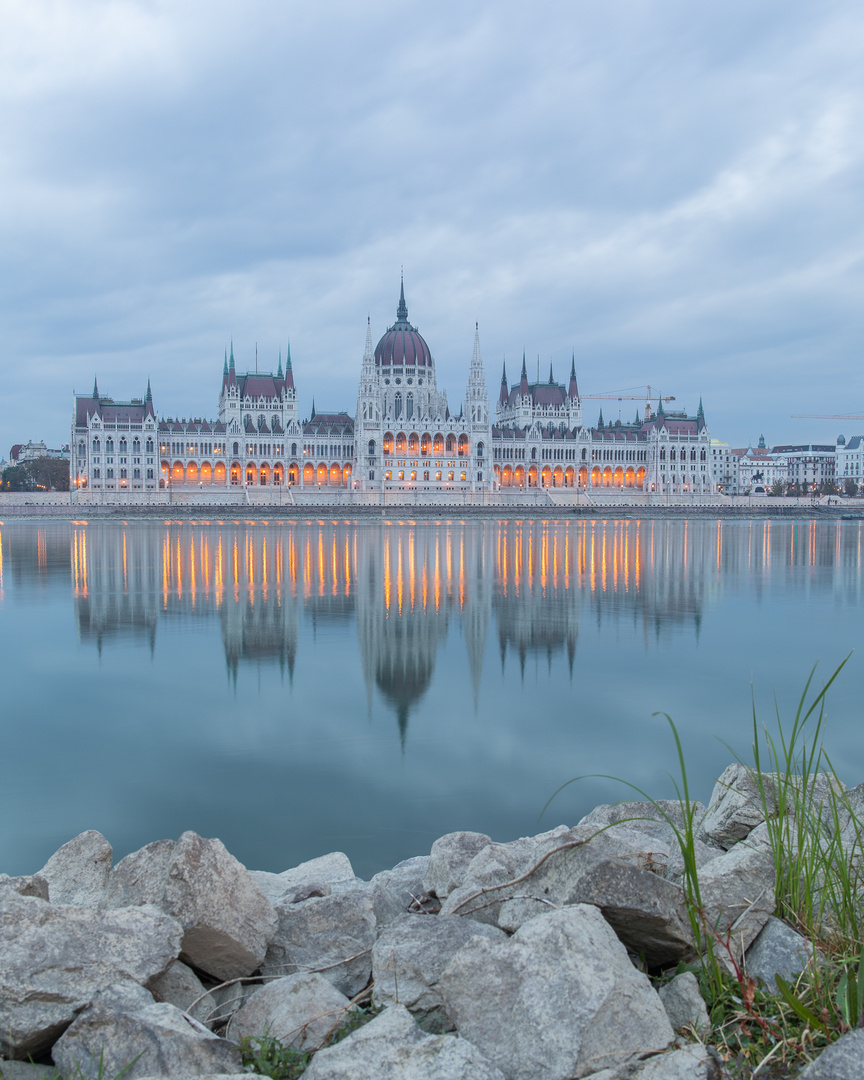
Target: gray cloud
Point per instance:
(673, 192)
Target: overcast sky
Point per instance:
(673, 190)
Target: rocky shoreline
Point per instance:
(550, 957)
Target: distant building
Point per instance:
(724, 467)
(759, 469)
(808, 465)
(30, 451)
(849, 460)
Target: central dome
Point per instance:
(402, 345)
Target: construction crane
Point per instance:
(622, 396)
(824, 416)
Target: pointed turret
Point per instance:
(279, 369)
(700, 422)
(312, 417)
(504, 393)
(523, 378)
(232, 374)
(148, 397)
(289, 370)
(95, 389)
(225, 366)
(367, 352)
(148, 401)
(551, 380)
(402, 310)
(573, 388)
(600, 421)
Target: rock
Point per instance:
(26, 1070)
(777, 950)
(648, 914)
(654, 819)
(29, 885)
(55, 959)
(555, 1000)
(410, 956)
(180, 986)
(684, 1004)
(392, 1047)
(227, 920)
(78, 872)
(449, 860)
(842, 1060)
(394, 891)
(300, 1010)
(737, 891)
(694, 1062)
(329, 870)
(155, 1040)
(333, 935)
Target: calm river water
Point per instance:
(301, 687)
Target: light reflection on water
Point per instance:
(296, 687)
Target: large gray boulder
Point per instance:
(449, 860)
(737, 891)
(556, 1000)
(28, 885)
(153, 1040)
(684, 1004)
(392, 1047)
(647, 913)
(777, 950)
(227, 921)
(332, 872)
(395, 891)
(410, 956)
(180, 986)
(332, 935)
(842, 1060)
(78, 872)
(694, 1062)
(300, 1010)
(56, 958)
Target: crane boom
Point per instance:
(825, 416)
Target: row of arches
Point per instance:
(533, 476)
(424, 445)
(264, 475)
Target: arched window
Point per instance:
(409, 409)
(479, 449)
(236, 449)
(149, 446)
(293, 449)
(81, 449)
(451, 444)
(109, 446)
(398, 406)
(371, 448)
(136, 446)
(123, 445)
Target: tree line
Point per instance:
(40, 474)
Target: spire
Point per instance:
(660, 411)
(225, 365)
(551, 380)
(573, 388)
(504, 393)
(232, 353)
(289, 371)
(148, 397)
(701, 413)
(600, 421)
(312, 417)
(402, 310)
(95, 389)
(232, 376)
(279, 370)
(367, 352)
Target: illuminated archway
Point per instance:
(463, 445)
(293, 474)
(387, 443)
(166, 470)
(219, 473)
(569, 476)
(532, 476)
(558, 477)
(519, 476)
(401, 443)
(438, 445)
(178, 473)
(451, 444)
(206, 473)
(607, 476)
(414, 444)
(546, 476)
(279, 474)
(251, 474)
(583, 476)
(426, 444)
(618, 478)
(264, 474)
(507, 476)
(630, 478)
(640, 476)
(191, 473)
(335, 476)
(235, 473)
(346, 475)
(308, 474)
(322, 476)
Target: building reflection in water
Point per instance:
(403, 584)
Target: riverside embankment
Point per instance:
(568, 954)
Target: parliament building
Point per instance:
(403, 437)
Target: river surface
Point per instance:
(301, 687)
